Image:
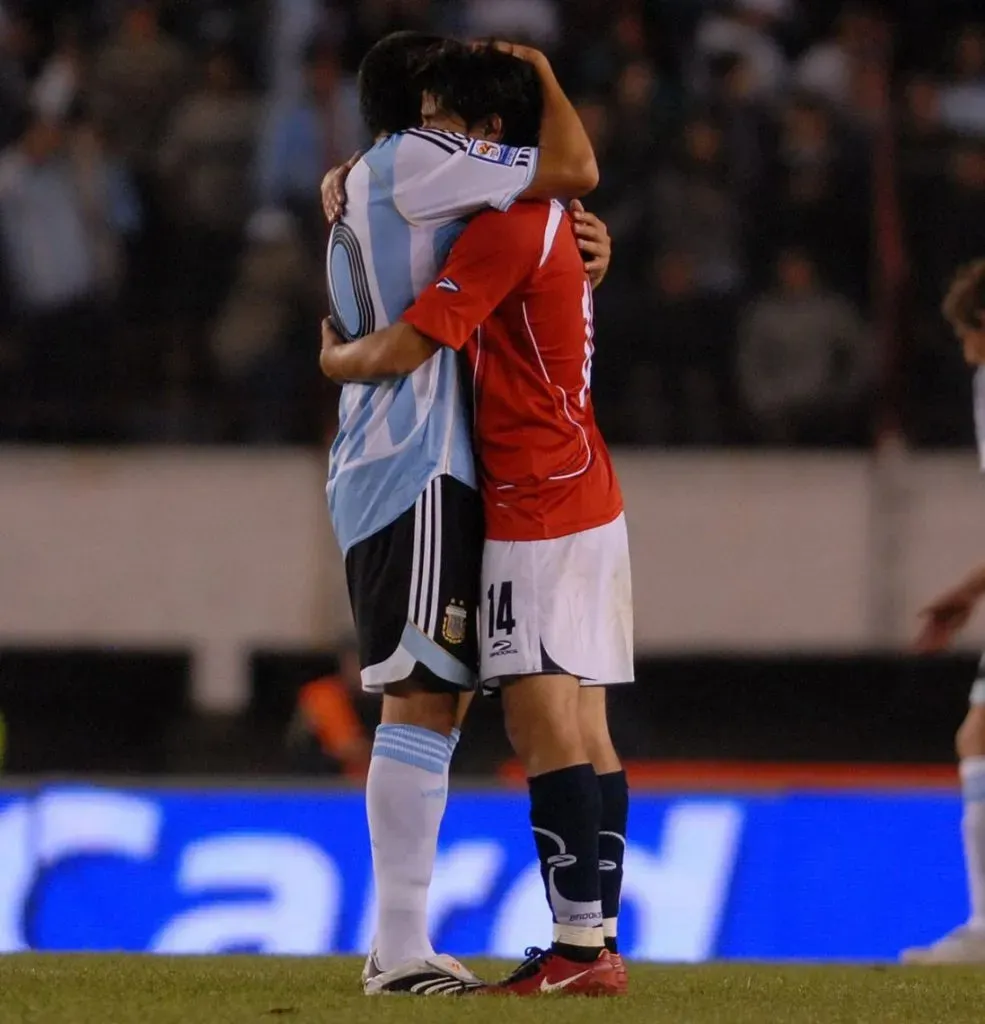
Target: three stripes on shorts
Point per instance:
(423, 608)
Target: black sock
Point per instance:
(565, 812)
(614, 791)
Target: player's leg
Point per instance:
(413, 589)
(970, 745)
(966, 944)
(406, 795)
(538, 635)
(541, 716)
(406, 798)
(611, 609)
(614, 793)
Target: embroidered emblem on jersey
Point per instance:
(446, 284)
(453, 627)
(493, 152)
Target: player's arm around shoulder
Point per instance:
(393, 352)
(566, 165)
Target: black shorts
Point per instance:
(414, 590)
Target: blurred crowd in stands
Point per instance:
(788, 184)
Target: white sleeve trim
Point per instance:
(554, 219)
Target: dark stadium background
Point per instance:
(704, 185)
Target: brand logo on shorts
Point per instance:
(502, 647)
(453, 627)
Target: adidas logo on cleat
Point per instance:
(442, 976)
(442, 985)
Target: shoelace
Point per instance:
(529, 968)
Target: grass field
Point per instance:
(41, 989)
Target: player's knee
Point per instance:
(408, 704)
(601, 751)
(594, 726)
(970, 740)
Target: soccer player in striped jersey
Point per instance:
(402, 486)
(557, 607)
(964, 309)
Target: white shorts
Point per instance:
(560, 606)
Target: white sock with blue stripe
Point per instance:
(406, 794)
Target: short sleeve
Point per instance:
(443, 176)
(493, 256)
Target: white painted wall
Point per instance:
(224, 551)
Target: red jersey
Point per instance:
(514, 295)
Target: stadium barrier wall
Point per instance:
(226, 552)
(796, 875)
(127, 713)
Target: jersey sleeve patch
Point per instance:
(493, 152)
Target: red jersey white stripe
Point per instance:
(523, 314)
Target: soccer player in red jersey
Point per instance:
(556, 616)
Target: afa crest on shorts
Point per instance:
(455, 623)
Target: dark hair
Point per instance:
(389, 91)
(476, 84)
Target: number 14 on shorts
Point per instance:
(500, 609)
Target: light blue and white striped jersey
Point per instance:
(406, 203)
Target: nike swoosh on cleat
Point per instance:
(546, 986)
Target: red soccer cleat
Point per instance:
(545, 971)
(619, 965)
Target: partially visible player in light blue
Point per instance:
(407, 198)
(964, 309)
(402, 487)
(407, 201)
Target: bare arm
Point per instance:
(566, 165)
(976, 581)
(383, 355)
(944, 617)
